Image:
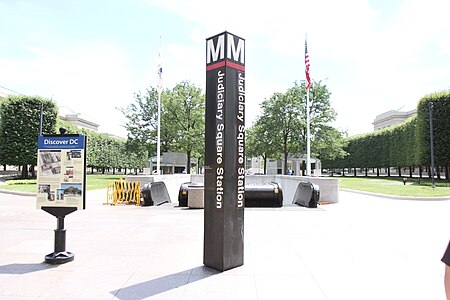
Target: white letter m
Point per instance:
(215, 51)
(237, 53)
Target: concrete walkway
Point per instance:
(365, 247)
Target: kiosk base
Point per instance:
(60, 255)
(59, 258)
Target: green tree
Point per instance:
(285, 116)
(136, 155)
(321, 115)
(142, 125)
(182, 120)
(105, 151)
(19, 128)
(184, 109)
(259, 142)
(142, 117)
(281, 112)
(329, 144)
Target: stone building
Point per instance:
(391, 117)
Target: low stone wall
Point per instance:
(172, 182)
(329, 187)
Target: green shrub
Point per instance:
(406, 144)
(20, 181)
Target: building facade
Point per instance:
(296, 166)
(390, 118)
(80, 121)
(173, 163)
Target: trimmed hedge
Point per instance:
(403, 145)
(441, 129)
(104, 151)
(19, 130)
(19, 127)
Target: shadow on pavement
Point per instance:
(164, 284)
(24, 268)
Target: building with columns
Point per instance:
(391, 117)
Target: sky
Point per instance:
(91, 57)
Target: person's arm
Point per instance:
(446, 261)
(447, 281)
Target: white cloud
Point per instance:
(91, 79)
(278, 31)
(370, 65)
(186, 62)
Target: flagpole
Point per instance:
(308, 133)
(158, 145)
(308, 138)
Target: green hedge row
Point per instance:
(19, 130)
(441, 129)
(19, 127)
(403, 145)
(105, 151)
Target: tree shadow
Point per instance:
(25, 268)
(163, 284)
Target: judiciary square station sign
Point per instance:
(224, 152)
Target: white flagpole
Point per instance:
(158, 146)
(308, 138)
(308, 133)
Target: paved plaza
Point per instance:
(364, 247)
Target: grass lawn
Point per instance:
(394, 186)
(94, 182)
(98, 181)
(379, 185)
(31, 188)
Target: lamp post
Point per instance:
(430, 110)
(41, 115)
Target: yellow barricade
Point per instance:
(120, 192)
(109, 192)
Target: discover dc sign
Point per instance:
(61, 142)
(224, 152)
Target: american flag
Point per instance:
(308, 79)
(159, 71)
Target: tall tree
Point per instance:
(19, 128)
(142, 116)
(284, 116)
(135, 155)
(326, 142)
(321, 113)
(182, 120)
(259, 142)
(281, 113)
(329, 144)
(184, 108)
(142, 121)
